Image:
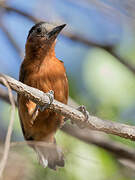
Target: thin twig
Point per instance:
(10, 128)
(5, 96)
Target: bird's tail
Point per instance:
(50, 155)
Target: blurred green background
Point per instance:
(97, 79)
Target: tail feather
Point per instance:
(50, 155)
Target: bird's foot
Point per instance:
(38, 107)
(83, 110)
(50, 94)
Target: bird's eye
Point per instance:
(38, 30)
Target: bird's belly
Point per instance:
(45, 84)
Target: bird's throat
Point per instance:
(39, 52)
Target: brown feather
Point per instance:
(45, 73)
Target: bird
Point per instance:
(42, 70)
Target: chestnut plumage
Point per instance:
(42, 70)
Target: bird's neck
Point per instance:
(39, 52)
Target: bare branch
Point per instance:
(10, 127)
(93, 122)
(88, 136)
(11, 9)
(101, 140)
(109, 48)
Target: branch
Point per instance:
(4, 96)
(90, 137)
(93, 122)
(74, 37)
(10, 128)
(109, 48)
(25, 14)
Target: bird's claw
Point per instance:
(83, 109)
(50, 94)
(38, 107)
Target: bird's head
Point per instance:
(44, 32)
(41, 37)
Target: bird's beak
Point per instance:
(56, 30)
